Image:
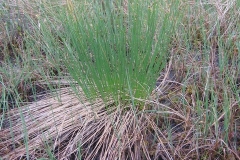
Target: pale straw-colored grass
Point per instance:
(65, 123)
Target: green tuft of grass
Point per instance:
(114, 50)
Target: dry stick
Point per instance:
(165, 77)
(160, 145)
(236, 154)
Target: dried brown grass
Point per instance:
(168, 128)
(100, 131)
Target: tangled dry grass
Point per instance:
(70, 127)
(64, 126)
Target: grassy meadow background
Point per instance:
(127, 79)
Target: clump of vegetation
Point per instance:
(78, 80)
(116, 51)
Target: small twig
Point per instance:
(165, 77)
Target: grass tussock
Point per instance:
(103, 96)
